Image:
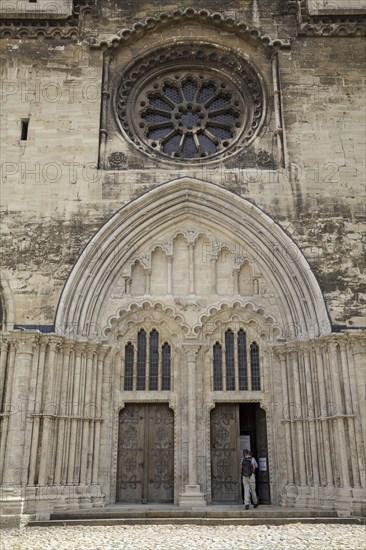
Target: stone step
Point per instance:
(185, 514)
(207, 521)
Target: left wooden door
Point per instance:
(145, 468)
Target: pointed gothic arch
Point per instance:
(301, 308)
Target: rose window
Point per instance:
(190, 117)
(191, 105)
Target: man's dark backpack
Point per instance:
(246, 467)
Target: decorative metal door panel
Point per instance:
(145, 471)
(225, 463)
(160, 483)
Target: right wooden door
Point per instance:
(225, 460)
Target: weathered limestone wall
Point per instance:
(325, 124)
(54, 199)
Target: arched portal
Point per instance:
(170, 239)
(191, 285)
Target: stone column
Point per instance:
(85, 423)
(169, 274)
(107, 399)
(48, 419)
(147, 281)
(191, 268)
(192, 494)
(91, 411)
(341, 453)
(236, 274)
(37, 417)
(358, 352)
(14, 460)
(98, 413)
(213, 261)
(323, 414)
(300, 448)
(75, 408)
(311, 418)
(62, 421)
(8, 365)
(3, 363)
(103, 132)
(349, 412)
(283, 367)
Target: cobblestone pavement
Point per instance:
(186, 537)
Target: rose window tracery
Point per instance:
(190, 105)
(189, 117)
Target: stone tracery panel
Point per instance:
(192, 263)
(180, 275)
(203, 277)
(159, 273)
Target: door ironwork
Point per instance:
(145, 469)
(225, 464)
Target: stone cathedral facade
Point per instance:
(182, 268)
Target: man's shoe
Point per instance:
(247, 506)
(256, 505)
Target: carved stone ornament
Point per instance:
(21, 25)
(182, 16)
(290, 7)
(190, 103)
(332, 24)
(117, 160)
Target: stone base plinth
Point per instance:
(192, 496)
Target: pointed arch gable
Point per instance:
(303, 310)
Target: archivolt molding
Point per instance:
(147, 311)
(245, 313)
(296, 291)
(181, 17)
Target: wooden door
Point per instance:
(225, 462)
(145, 469)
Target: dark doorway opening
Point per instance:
(253, 436)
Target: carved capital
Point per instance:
(80, 348)
(191, 351)
(281, 354)
(103, 352)
(25, 342)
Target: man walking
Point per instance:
(248, 467)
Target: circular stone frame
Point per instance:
(192, 104)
